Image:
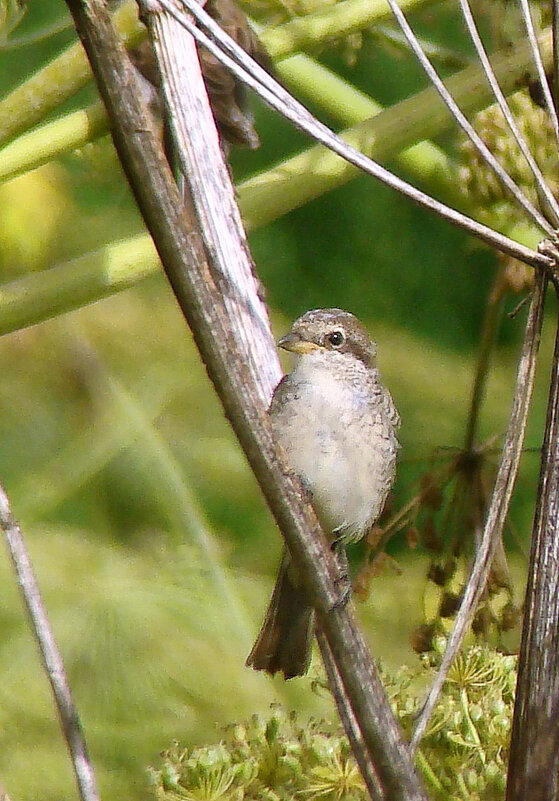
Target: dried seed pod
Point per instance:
(412, 537)
(421, 638)
(510, 616)
(449, 605)
(374, 536)
(431, 494)
(228, 97)
(437, 575)
(430, 536)
(482, 621)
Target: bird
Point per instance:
(337, 425)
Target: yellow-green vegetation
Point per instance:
(477, 180)
(277, 757)
(151, 543)
(148, 534)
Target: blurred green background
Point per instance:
(150, 539)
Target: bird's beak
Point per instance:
(295, 344)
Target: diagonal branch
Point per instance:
(50, 654)
(200, 286)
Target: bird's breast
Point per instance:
(342, 444)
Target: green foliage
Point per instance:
(263, 759)
(463, 755)
(150, 540)
(478, 181)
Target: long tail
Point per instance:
(285, 639)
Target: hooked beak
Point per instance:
(295, 344)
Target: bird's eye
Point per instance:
(336, 338)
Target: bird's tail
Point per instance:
(285, 639)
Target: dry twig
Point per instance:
(50, 654)
(533, 755)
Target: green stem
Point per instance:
(472, 734)
(337, 21)
(68, 286)
(60, 79)
(41, 145)
(462, 787)
(307, 78)
(269, 195)
(431, 778)
(304, 75)
(69, 72)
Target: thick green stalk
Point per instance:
(76, 283)
(267, 196)
(342, 19)
(66, 74)
(274, 192)
(41, 145)
(69, 72)
(61, 78)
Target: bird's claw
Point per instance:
(345, 593)
(306, 493)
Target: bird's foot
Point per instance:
(338, 549)
(337, 543)
(307, 493)
(344, 584)
(343, 581)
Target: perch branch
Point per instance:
(200, 285)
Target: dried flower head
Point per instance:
(478, 182)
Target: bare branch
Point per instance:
(498, 509)
(535, 731)
(50, 655)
